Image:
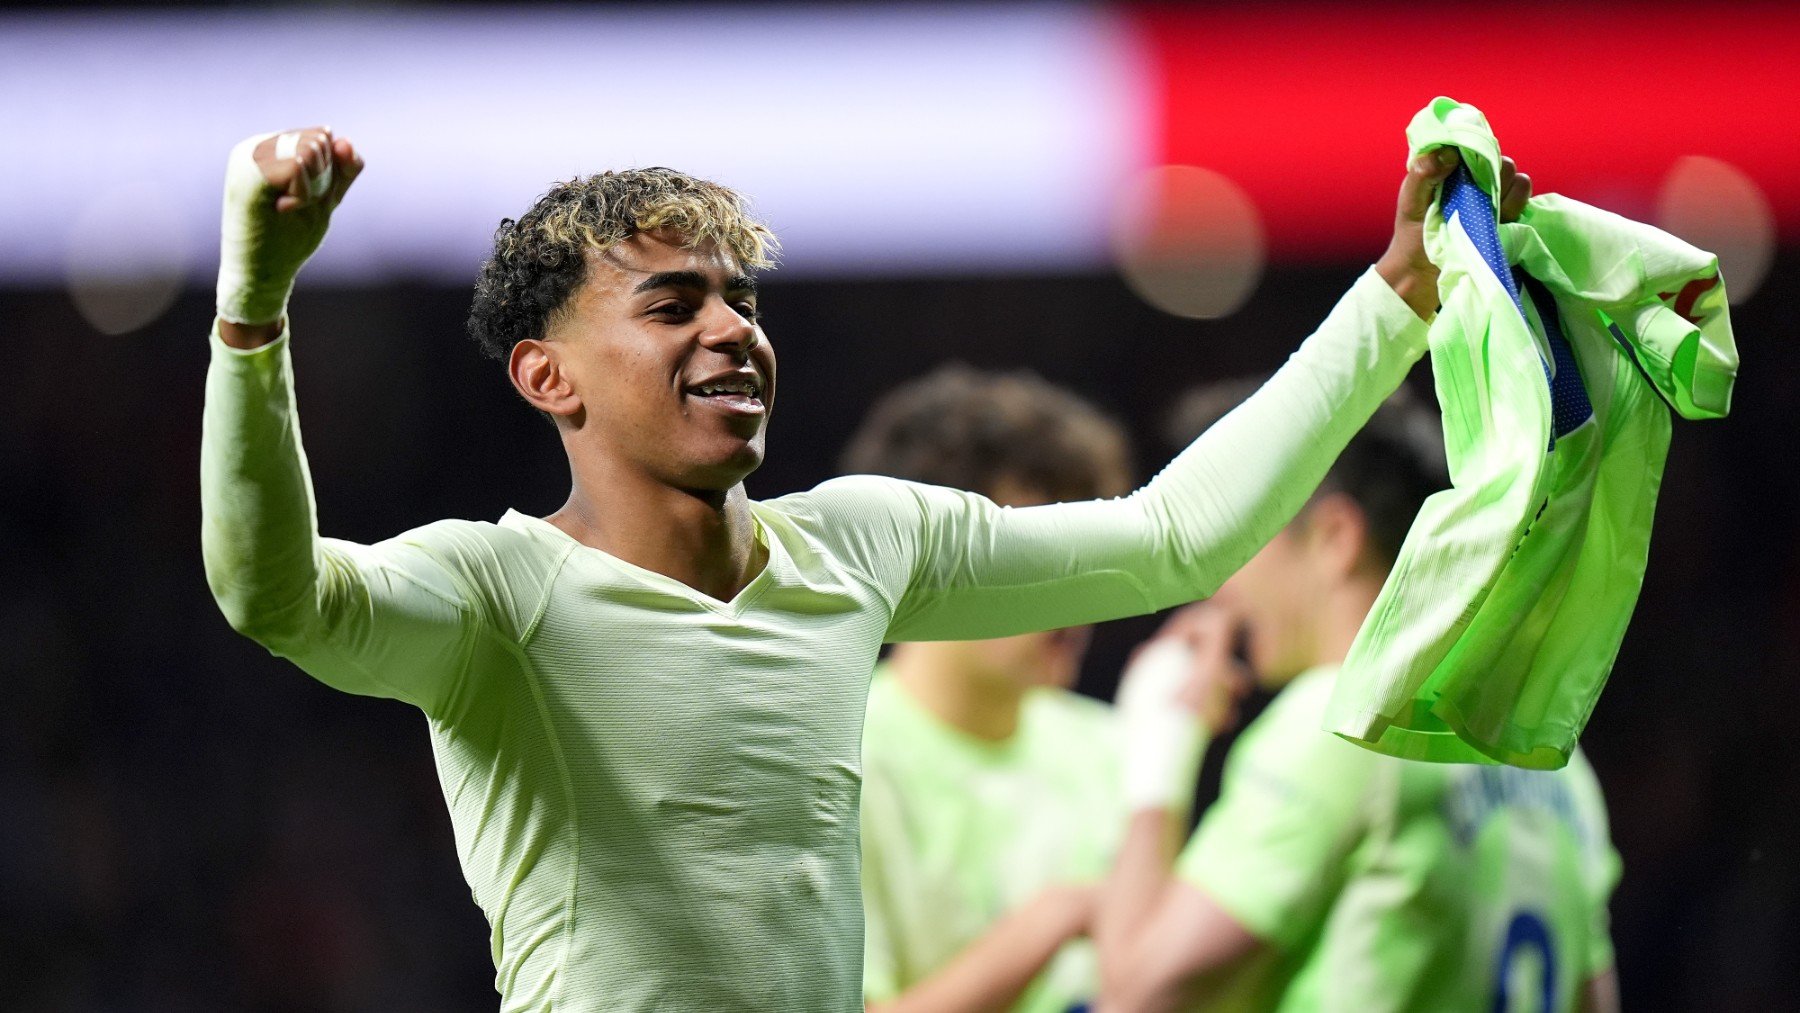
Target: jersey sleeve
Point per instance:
(1274, 850)
(960, 567)
(397, 619)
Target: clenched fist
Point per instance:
(1405, 266)
(280, 191)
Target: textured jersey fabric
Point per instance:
(957, 831)
(1563, 341)
(1381, 884)
(654, 793)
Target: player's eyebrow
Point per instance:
(692, 279)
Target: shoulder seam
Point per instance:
(472, 608)
(543, 604)
(843, 559)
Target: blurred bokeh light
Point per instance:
(1189, 241)
(1717, 207)
(126, 259)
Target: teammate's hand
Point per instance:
(1405, 265)
(280, 191)
(1072, 904)
(1176, 692)
(1216, 681)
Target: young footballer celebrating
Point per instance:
(1329, 876)
(646, 708)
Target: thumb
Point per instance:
(1423, 175)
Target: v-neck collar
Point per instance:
(775, 556)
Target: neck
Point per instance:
(1343, 615)
(942, 681)
(704, 539)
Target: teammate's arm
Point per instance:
(993, 971)
(378, 620)
(980, 571)
(1600, 994)
(1158, 938)
(1186, 944)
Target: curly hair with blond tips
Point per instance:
(541, 258)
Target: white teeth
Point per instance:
(745, 387)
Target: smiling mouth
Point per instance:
(742, 395)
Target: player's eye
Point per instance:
(672, 310)
(748, 311)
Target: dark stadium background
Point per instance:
(187, 823)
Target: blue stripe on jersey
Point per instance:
(1569, 404)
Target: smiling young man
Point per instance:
(646, 708)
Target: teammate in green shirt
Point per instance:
(646, 708)
(991, 804)
(1328, 876)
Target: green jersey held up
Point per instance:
(1564, 342)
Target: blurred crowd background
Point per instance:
(1128, 200)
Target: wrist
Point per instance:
(1414, 281)
(1162, 738)
(248, 336)
(1160, 770)
(1073, 908)
(250, 301)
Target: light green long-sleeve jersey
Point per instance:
(1497, 626)
(654, 793)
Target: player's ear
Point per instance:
(538, 376)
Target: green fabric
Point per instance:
(1382, 884)
(1499, 623)
(958, 831)
(654, 794)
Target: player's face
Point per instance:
(1280, 595)
(673, 371)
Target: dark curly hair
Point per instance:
(540, 259)
(997, 434)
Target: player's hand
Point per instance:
(1405, 265)
(280, 191)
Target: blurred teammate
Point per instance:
(991, 804)
(1328, 876)
(646, 708)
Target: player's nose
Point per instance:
(728, 331)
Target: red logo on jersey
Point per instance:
(1689, 294)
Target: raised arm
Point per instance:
(387, 620)
(981, 571)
